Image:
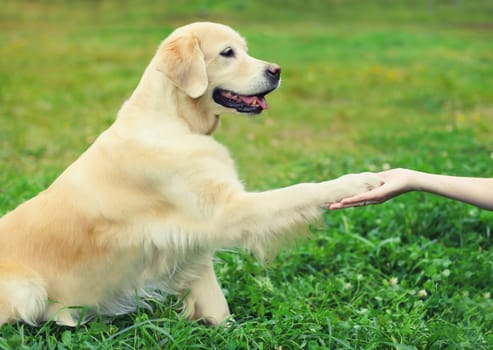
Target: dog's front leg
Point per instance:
(205, 299)
(258, 219)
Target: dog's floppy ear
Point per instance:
(183, 63)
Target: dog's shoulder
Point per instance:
(169, 154)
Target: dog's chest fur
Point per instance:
(119, 282)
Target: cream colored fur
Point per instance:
(148, 204)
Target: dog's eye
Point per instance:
(228, 52)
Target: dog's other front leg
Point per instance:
(205, 299)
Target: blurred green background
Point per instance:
(367, 85)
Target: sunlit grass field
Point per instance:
(367, 85)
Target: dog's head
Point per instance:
(209, 63)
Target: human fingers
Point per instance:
(374, 196)
(340, 205)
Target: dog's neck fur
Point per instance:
(195, 114)
(155, 99)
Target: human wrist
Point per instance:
(420, 181)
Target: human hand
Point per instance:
(395, 182)
(348, 186)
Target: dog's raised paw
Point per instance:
(353, 184)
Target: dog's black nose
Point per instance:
(273, 71)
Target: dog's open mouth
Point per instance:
(252, 104)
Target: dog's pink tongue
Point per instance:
(260, 101)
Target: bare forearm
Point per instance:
(476, 191)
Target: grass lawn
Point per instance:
(367, 85)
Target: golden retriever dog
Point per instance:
(147, 205)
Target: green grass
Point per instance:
(366, 86)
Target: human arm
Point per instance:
(472, 190)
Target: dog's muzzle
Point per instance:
(249, 104)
